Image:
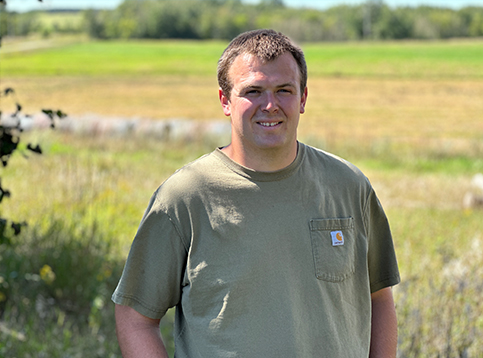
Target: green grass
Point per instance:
(123, 58)
(389, 156)
(93, 180)
(449, 165)
(438, 59)
(408, 59)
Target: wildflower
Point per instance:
(47, 275)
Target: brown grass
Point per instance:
(419, 191)
(338, 108)
(395, 108)
(147, 97)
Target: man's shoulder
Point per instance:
(194, 170)
(335, 174)
(193, 177)
(320, 159)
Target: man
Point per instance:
(267, 247)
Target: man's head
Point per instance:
(262, 77)
(267, 45)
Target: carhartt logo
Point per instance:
(337, 238)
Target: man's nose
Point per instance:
(270, 103)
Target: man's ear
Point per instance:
(225, 102)
(303, 100)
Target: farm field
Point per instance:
(409, 114)
(413, 91)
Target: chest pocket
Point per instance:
(333, 248)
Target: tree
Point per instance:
(10, 136)
(274, 3)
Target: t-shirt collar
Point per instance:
(260, 175)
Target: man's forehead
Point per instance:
(249, 71)
(248, 56)
(250, 62)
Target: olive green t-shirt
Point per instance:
(278, 264)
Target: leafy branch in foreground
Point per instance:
(10, 136)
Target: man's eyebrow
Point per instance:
(288, 84)
(250, 88)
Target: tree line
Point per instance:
(224, 19)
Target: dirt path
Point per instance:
(22, 44)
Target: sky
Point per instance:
(27, 5)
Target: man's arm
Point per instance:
(384, 325)
(138, 335)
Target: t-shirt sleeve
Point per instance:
(383, 267)
(151, 281)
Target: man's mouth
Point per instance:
(269, 124)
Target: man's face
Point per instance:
(265, 103)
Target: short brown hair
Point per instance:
(267, 45)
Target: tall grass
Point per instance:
(84, 199)
(439, 301)
(56, 283)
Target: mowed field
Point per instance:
(410, 114)
(408, 90)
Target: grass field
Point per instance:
(410, 91)
(435, 60)
(409, 114)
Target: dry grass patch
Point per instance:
(341, 109)
(146, 97)
(338, 109)
(423, 191)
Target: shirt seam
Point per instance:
(178, 231)
(364, 210)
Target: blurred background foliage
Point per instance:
(224, 19)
